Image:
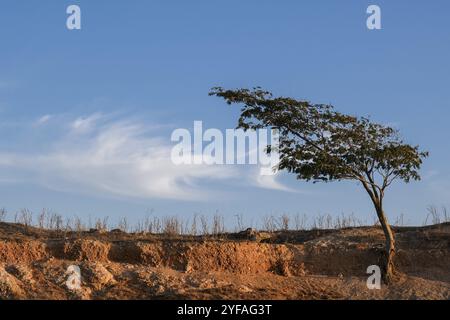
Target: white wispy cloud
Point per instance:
(123, 158)
(84, 124)
(270, 182)
(44, 119)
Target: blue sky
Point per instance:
(82, 112)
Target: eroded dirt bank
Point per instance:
(326, 264)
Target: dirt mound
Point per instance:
(22, 251)
(317, 264)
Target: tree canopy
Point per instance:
(321, 144)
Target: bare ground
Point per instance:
(317, 264)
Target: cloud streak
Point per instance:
(98, 155)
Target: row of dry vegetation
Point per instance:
(201, 224)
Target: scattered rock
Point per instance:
(249, 234)
(244, 289)
(22, 272)
(9, 285)
(97, 231)
(96, 275)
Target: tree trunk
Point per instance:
(389, 267)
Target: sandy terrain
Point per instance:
(325, 264)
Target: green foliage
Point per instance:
(320, 144)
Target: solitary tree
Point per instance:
(318, 143)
